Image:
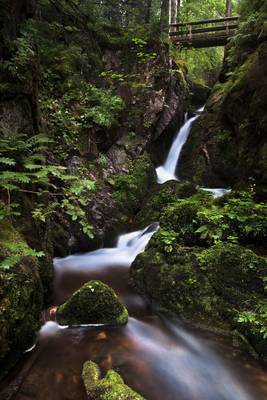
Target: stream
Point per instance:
(159, 357)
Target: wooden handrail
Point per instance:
(204, 30)
(208, 21)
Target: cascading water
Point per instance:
(157, 357)
(167, 171)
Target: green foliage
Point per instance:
(16, 251)
(239, 219)
(25, 169)
(80, 109)
(203, 64)
(256, 320)
(20, 65)
(128, 188)
(168, 238)
(182, 217)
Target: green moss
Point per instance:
(172, 280)
(232, 266)
(160, 197)
(131, 188)
(21, 297)
(111, 387)
(93, 303)
(182, 217)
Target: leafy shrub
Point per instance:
(79, 109)
(182, 217)
(239, 219)
(130, 188)
(255, 320)
(25, 169)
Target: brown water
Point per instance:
(159, 358)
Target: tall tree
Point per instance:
(164, 14)
(148, 6)
(229, 8)
(173, 11)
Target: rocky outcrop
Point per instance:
(93, 303)
(200, 265)
(21, 296)
(111, 387)
(227, 145)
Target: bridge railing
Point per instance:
(188, 30)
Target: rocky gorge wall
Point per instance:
(113, 157)
(227, 145)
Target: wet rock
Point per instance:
(93, 303)
(20, 298)
(170, 277)
(111, 387)
(227, 145)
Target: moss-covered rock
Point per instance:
(235, 268)
(93, 303)
(238, 277)
(21, 299)
(223, 285)
(111, 387)
(170, 277)
(161, 196)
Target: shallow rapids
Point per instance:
(160, 358)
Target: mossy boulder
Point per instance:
(161, 196)
(169, 275)
(111, 387)
(21, 299)
(238, 276)
(93, 303)
(233, 267)
(223, 285)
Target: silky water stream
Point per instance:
(161, 358)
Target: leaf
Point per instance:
(7, 161)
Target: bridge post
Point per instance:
(173, 11)
(229, 8)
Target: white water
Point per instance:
(217, 192)
(166, 358)
(166, 172)
(128, 247)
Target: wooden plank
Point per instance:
(208, 21)
(203, 41)
(205, 30)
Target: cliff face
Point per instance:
(227, 145)
(110, 154)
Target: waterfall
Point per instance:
(128, 247)
(166, 172)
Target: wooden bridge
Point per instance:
(202, 34)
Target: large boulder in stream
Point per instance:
(93, 303)
(206, 263)
(111, 387)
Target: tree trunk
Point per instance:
(174, 9)
(164, 15)
(148, 11)
(229, 8)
